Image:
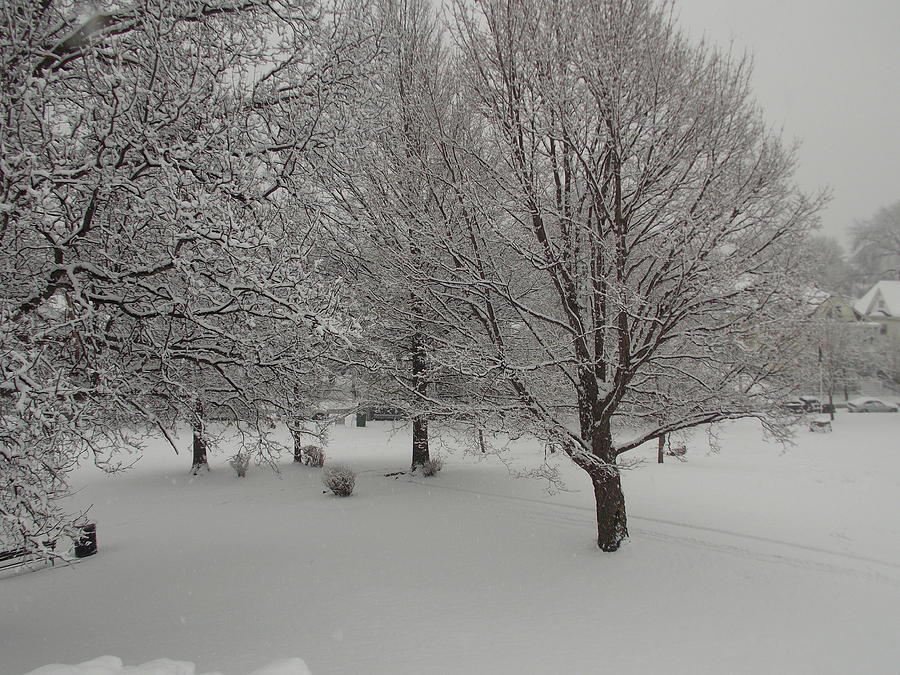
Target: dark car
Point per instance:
(806, 404)
(794, 405)
(811, 403)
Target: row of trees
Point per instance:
(842, 351)
(558, 217)
(874, 255)
(876, 248)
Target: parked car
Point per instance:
(794, 405)
(804, 404)
(870, 404)
(811, 403)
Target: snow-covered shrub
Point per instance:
(340, 479)
(240, 463)
(433, 465)
(313, 455)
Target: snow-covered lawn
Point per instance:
(752, 560)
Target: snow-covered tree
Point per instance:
(159, 239)
(391, 188)
(836, 350)
(627, 228)
(829, 269)
(876, 247)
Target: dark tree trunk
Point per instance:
(661, 451)
(420, 442)
(612, 527)
(199, 460)
(420, 453)
(298, 445)
(831, 384)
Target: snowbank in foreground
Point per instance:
(112, 665)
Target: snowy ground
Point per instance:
(752, 560)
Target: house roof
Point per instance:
(883, 299)
(817, 302)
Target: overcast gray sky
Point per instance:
(827, 72)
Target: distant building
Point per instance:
(824, 305)
(881, 305)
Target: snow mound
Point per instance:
(112, 665)
(293, 666)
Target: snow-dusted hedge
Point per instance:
(433, 465)
(313, 455)
(240, 463)
(340, 479)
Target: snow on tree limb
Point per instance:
(632, 227)
(159, 240)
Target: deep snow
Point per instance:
(752, 560)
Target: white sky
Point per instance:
(826, 71)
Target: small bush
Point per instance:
(240, 463)
(432, 466)
(313, 455)
(340, 479)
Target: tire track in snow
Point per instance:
(770, 540)
(730, 549)
(779, 559)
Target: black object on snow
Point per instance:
(87, 541)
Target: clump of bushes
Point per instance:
(433, 465)
(313, 455)
(340, 479)
(240, 463)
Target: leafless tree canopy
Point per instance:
(159, 236)
(558, 216)
(876, 246)
(628, 228)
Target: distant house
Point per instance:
(824, 305)
(881, 305)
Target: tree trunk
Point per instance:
(420, 453)
(199, 460)
(420, 442)
(831, 383)
(612, 527)
(298, 445)
(660, 453)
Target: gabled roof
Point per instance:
(822, 304)
(883, 299)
